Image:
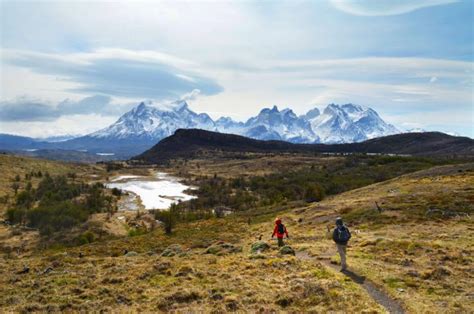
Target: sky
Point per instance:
(73, 67)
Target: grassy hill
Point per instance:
(192, 143)
(417, 251)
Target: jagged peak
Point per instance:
(225, 120)
(274, 109)
(312, 113)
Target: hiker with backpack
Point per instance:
(341, 235)
(280, 231)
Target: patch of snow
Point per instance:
(156, 193)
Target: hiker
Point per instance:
(341, 236)
(280, 231)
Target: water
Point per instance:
(156, 192)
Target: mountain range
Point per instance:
(142, 127)
(336, 124)
(146, 124)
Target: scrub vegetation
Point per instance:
(414, 245)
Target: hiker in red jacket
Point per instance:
(280, 231)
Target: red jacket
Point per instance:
(277, 232)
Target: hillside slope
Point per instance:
(189, 143)
(421, 260)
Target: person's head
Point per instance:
(339, 222)
(278, 221)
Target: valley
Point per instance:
(416, 250)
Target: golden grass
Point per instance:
(423, 261)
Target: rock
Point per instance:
(413, 273)
(162, 267)
(131, 254)
(284, 301)
(400, 290)
(172, 250)
(178, 297)
(231, 303)
(407, 262)
(259, 246)
(222, 248)
(123, 300)
(25, 270)
(287, 250)
(439, 273)
(47, 271)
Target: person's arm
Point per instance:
(274, 231)
(334, 236)
(286, 232)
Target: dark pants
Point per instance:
(280, 242)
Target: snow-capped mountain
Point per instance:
(146, 124)
(272, 124)
(149, 122)
(348, 123)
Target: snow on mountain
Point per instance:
(415, 130)
(272, 124)
(148, 123)
(348, 123)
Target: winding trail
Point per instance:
(379, 296)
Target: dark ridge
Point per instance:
(189, 143)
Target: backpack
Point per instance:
(343, 234)
(281, 228)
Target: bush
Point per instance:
(58, 204)
(86, 238)
(168, 218)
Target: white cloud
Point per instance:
(70, 125)
(385, 7)
(117, 72)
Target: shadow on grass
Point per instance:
(355, 277)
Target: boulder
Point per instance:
(287, 250)
(259, 246)
(222, 248)
(172, 250)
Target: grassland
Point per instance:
(422, 259)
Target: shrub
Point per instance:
(168, 218)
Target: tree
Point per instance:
(168, 218)
(15, 186)
(314, 193)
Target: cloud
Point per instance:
(119, 72)
(27, 109)
(191, 95)
(385, 7)
(66, 125)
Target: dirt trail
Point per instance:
(379, 296)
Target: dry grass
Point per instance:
(426, 262)
(253, 165)
(106, 279)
